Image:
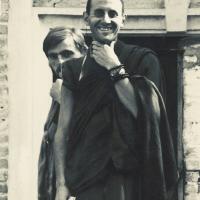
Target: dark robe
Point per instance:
(106, 139)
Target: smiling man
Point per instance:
(113, 140)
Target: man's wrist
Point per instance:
(117, 73)
(114, 65)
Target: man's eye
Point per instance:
(112, 13)
(99, 13)
(53, 56)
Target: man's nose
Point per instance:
(106, 18)
(60, 59)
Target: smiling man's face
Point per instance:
(105, 19)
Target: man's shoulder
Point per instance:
(139, 50)
(122, 45)
(130, 52)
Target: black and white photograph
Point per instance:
(99, 100)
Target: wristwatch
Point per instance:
(117, 71)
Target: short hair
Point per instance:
(89, 2)
(58, 34)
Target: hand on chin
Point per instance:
(104, 55)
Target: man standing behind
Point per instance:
(61, 44)
(113, 140)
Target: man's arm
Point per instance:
(126, 94)
(60, 142)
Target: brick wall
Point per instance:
(3, 100)
(191, 132)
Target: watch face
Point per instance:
(122, 71)
(113, 72)
(118, 71)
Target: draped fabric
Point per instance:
(158, 164)
(104, 131)
(46, 168)
(150, 152)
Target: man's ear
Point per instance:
(86, 18)
(123, 20)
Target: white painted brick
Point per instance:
(3, 125)
(192, 115)
(191, 76)
(192, 196)
(191, 188)
(192, 177)
(192, 164)
(193, 149)
(3, 175)
(191, 132)
(195, 46)
(4, 138)
(190, 59)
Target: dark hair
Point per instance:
(58, 34)
(88, 6)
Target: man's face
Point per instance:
(64, 51)
(105, 19)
